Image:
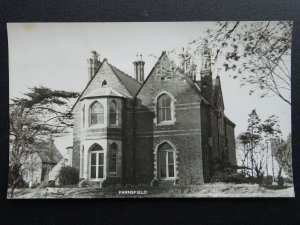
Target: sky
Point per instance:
(55, 55)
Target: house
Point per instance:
(39, 166)
(169, 127)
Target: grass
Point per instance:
(191, 191)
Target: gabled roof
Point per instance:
(162, 54)
(193, 85)
(103, 91)
(130, 83)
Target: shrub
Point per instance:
(68, 176)
(280, 182)
(236, 178)
(268, 180)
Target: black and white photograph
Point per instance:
(150, 110)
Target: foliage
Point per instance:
(271, 130)
(250, 140)
(68, 176)
(257, 53)
(236, 178)
(283, 154)
(258, 142)
(41, 114)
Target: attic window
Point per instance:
(104, 84)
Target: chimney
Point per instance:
(93, 63)
(139, 68)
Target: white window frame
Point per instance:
(117, 113)
(90, 116)
(97, 164)
(167, 164)
(109, 159)
(173, 118)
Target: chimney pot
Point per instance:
(139, 68)
(94, 63)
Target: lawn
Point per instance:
(223, 190)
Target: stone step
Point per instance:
(89, 184)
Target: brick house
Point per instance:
(170, 127)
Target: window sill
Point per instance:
(96, 179)
(114, 126)
(168, 179)
(96, 126)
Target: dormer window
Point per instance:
(96, 114)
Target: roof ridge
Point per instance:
(114, 67)
(160, 57)
(121, 75)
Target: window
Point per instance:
(113, 113)
(96, 114)
(104, 84)
(83, 116)
(44, 173)
(82, 161)
(96, 162)
(164, 108)
(166, 156)
(113, 158)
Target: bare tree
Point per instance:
(258, 53)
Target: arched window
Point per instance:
(96, 162)
(104, 84)
(113, 158)
(83, 116)
(113, 113)
(166, 161)
(164, 112)
(96, 114)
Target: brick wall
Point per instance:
(185, 133)
(231, 143)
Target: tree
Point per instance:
(250, 140)
(258, 53)
(283, 154)
(33, 119)
(272, 130)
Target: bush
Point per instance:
(68, 176)
(236, 178)
(268, 180)
(280, 182)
